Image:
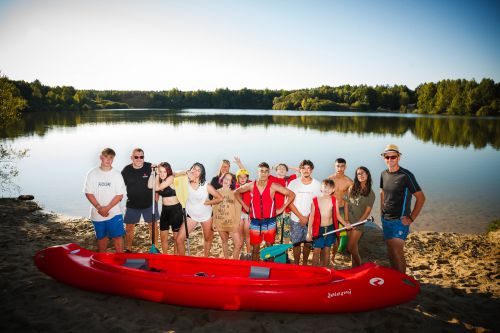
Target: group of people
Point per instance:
(306, 212)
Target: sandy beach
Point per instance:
(459, 276)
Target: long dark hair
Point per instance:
(167, 167)
(203, 174)
(356, 190)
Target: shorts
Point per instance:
(133, 215)
(264, 229)
(245, 216)
(285, 220)
(324, 241)
(394, 229)
(111, 228)
(298, 233)
(171, 216)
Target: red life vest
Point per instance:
(279, 198)
(247, 196)
(317, 217)
(262, 205)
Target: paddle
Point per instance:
(153, 248)
(352, 225)
(181, 190)
(277, 251)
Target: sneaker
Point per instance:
(128, 251)
(249, 256)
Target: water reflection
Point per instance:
(440, 130)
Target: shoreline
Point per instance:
(459, 276)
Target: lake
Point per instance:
(455, 159)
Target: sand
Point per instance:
(459, 276)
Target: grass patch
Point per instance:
(494, 225)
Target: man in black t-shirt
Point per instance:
(397, 186)
(139, 196)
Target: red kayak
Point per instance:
(228, 284)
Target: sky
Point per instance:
(255, 44)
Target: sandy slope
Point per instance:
(459, 275)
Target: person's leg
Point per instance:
(118, 244)
(164, 241)
(306, 250)
(176, 248)
(102, 244)
(316, 255)
(326, 256)
(208, 237)
(246, 229)
(131, 218)
(181, 237)
(116, 231)
(224, 237)
(129, 235)
(395, 249)
(352, 246)
(255, 252)
(237, 243)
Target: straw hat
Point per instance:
(390, 148)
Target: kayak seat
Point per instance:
(137, 264)
(258, 272)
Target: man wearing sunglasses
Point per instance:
(397, 186)
(139, 196)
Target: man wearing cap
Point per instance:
(397, 185)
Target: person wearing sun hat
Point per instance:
(397, 186)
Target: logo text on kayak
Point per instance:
(339, 293)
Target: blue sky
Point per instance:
(190, 45)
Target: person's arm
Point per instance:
(238, 162)
(237, 195)
(381, 201)
(340, 219)
(163, 185)
(93, 201)
(419, 203)
(289, 194)
(116, 199)
(217, 197)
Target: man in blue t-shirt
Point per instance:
(397, 185)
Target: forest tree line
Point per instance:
(448, 97)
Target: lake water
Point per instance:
(455, 160)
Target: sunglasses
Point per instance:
(391, 157)
(139, 157)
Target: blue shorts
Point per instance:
(133, 215)
(324, 241)
(394, 229)
(110, 228)
(298, 233)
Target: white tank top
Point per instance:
(195, 208)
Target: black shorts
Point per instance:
(171, 216)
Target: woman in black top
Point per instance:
(171, 212)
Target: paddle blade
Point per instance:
(154, 250)
(181, 189)
(274, 251)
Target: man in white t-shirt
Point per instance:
(104, 188)
(305, 189)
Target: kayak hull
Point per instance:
(228, 284)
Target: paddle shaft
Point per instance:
(187, 232)
(352, 225)
(153, 217)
